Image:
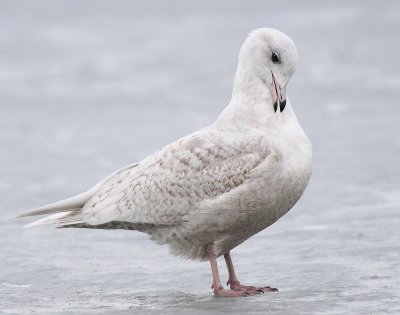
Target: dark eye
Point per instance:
(275, 58)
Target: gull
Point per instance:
(208, 192)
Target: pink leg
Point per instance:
(216, 285)
(235, 283)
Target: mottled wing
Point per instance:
(163, 188)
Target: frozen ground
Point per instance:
(88, 86)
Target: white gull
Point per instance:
(208, 192)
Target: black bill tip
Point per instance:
(275, 106)
(282, 105)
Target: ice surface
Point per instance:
(87, 87)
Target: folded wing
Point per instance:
(163, 188)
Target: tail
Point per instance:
(71, 204)
(67, 212)
(62, 219)
(64, 212)
(60, 210)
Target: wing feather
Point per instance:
(166, 186)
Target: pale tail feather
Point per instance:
(70, 219)
(67, 212)
(76, 202)
(69, 204)
(60, 219)
(48, 220)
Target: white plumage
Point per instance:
(220, 185)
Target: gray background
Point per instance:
(89, 86)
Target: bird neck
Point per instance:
(251, 104)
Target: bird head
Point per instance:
(272, 57)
